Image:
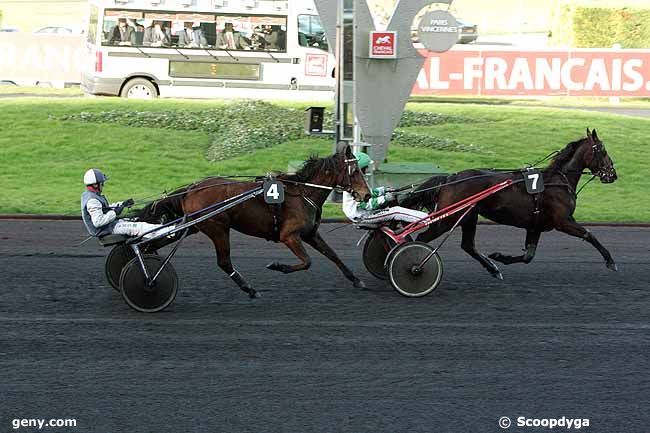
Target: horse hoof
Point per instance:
(359, 284)
(252, 293)
(495, 256)
(273, 266)
(498, 275)
(612, 266)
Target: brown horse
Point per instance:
(291, 223)
(551, 209)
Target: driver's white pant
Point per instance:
(396, 213)
(137, 229)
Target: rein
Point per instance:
(585, 184)
(258, 179)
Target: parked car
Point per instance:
(52, 30)
(9, 30)
(468, 32)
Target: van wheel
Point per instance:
(139, 88)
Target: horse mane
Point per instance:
(566, 154)
(425, 195)
(311, 167)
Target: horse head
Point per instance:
(597, 159)
(350, 177)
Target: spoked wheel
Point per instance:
(408, 275)
(375, 251)
(145, 298)
(119, 256)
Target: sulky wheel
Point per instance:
(142, 297)
(375, 250)
(119, 256)
(407, 275)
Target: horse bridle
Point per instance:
(597, 154)
(351, 167)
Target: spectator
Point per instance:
(229, 39)
(192, 36)
(277, 39)
(122, 34)
(156, 36)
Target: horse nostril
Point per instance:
(367, 197)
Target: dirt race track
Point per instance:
(561, 337)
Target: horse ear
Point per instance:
(341, 147)
(594, 135)
(348, 152)
(589, 135)
(344, 149)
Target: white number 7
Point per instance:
(273, 191)
(534, 178)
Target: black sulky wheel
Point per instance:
(119, 256)
(405, 273)
(142, 297)
(375, 251)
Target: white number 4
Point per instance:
(534, 178)
(273, 191)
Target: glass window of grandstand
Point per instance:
(258, 33)
(311, 32)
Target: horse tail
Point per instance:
(164, 209)
(425, 195)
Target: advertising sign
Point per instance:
(579, 72)
(25, 57)
(383, 45)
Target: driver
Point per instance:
(100, 218)
(376, 209)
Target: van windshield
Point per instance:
(311, 32)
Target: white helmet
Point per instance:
(94, 176)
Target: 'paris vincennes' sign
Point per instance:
(438, 31)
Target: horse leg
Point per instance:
(221, 241)
(295, 245)
(468, 245)
(319, 244)
(532, 239)
(572, 228)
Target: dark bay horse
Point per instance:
(551, 209)
(291, 223)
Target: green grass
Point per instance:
(550, 101)
(42, 160)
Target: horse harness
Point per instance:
(538, 198)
